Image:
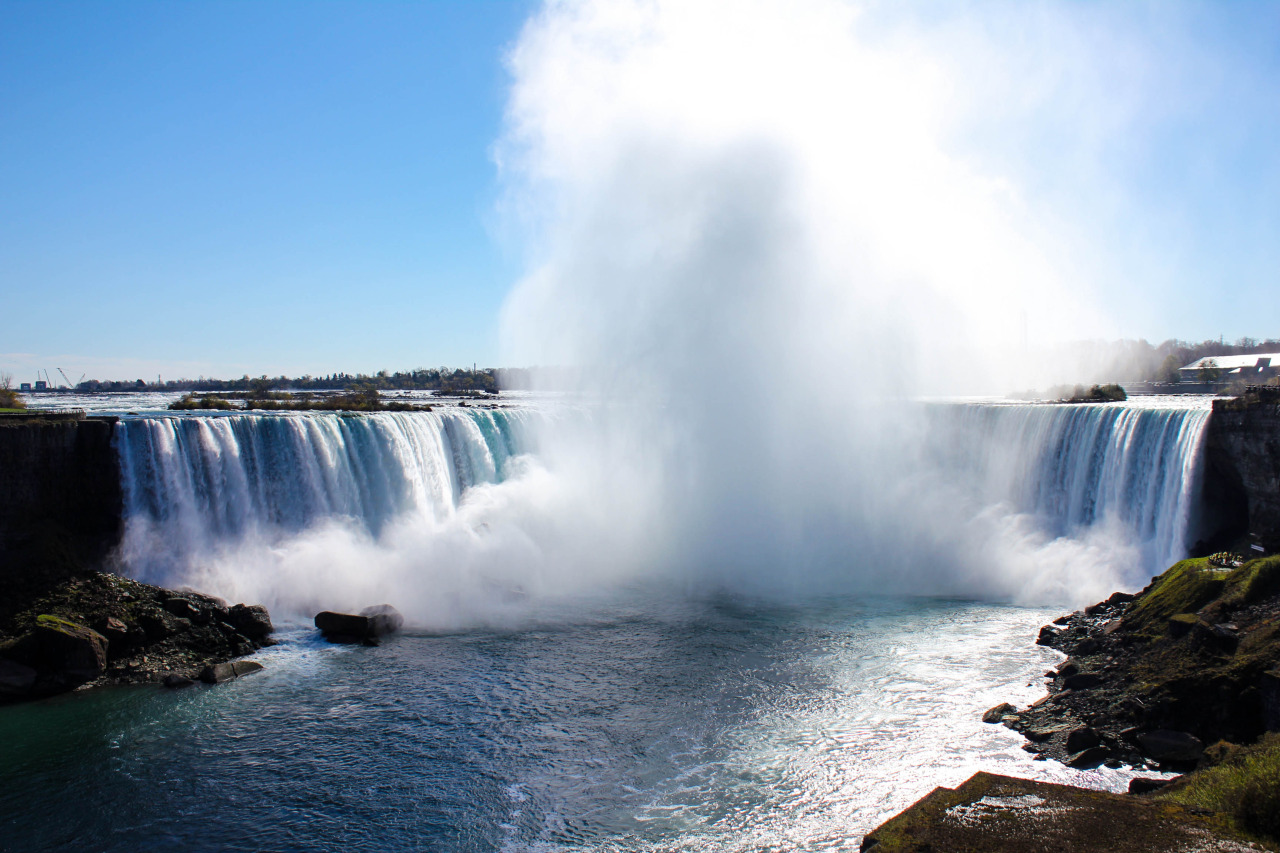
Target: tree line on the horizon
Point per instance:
(422, 379)
(446, 379)
(1123, 360)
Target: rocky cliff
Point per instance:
(60, 501)
(1242, 458)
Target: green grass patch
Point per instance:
(1245, 786)
(1185, 588)
(1261, 579)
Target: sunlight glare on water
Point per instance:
(651, 724)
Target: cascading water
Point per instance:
(195, 484)
(1074, 468)
(1022, 502)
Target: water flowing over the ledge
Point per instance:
(1074, 467)
(1025, 502)
(194, 483)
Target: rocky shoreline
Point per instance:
(95, 629)
(1183, 677)
(1151, 680)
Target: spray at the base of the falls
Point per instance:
(458, 520)
(313, 510)
(1072, 501)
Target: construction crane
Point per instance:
(70, 386)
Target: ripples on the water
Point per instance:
(658, 725)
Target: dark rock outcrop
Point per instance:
(138, 636)
(367, 627)
(74, 653)
(1151, 679)
(251, 620)
(1171, 747)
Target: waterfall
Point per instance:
(1074, 467)
(1029, 502)
(193, 484)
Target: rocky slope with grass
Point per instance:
(1151, 680)
(1183, 677)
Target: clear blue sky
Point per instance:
(303, 187)
(251, 187)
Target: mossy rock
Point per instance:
(64, 626)
(1184, 588)
(1181, 624)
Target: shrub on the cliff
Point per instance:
(1099, 394)
(9, 398)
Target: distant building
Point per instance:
(25, 386)
(41, 385)
(1258, 366)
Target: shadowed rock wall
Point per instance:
(60, 500)
(1243, 465)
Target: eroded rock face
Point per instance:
(1243, 471)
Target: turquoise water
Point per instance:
(637, 724)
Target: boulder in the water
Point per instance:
(371, 623)
(341, 627)
(1087, 759)
(383, 619)
(994, 715)
(220, 672)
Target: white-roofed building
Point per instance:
(1257, 366)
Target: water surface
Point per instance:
(650, 724)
